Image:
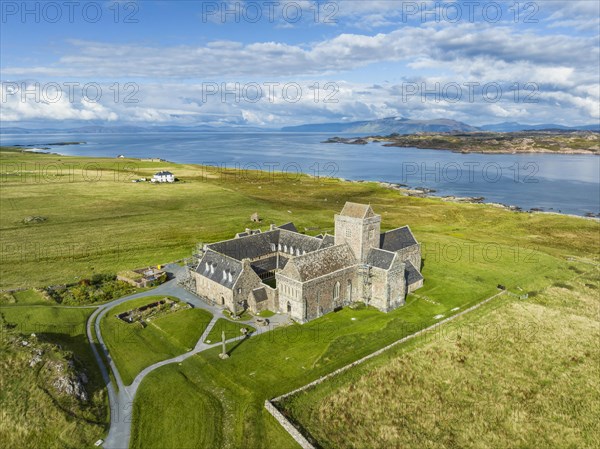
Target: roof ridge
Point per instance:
(321, 249)
(400, 227)
(222, 255)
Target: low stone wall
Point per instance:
(289, 427)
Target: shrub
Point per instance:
(99, 288)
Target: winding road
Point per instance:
(121, 396)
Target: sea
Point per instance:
(562, 183)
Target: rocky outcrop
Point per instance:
(57, 368)
(34, 219)
(71, 385)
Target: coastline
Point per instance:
(421, 192)
(403, 189)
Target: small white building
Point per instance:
(163, 176)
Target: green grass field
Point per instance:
(29, 296)
(32, 414)
(513, 374)
(133, 347)
(264, 367)
(468, 249)
(230, 328)
(152, 224)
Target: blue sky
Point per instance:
(532, 62)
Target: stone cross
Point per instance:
(223, 353)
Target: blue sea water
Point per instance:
(551, 182)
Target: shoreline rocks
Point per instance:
(423, 192)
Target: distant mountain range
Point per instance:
(387, 125)
(402, 125)
(383, 126)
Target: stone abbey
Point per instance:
(306, 277)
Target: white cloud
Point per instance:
(342, 53)
(44, 104)
(564, 67)
(174, 103)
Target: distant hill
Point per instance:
(402, 125)
(127, 129)
(507, 127)
(387, 125)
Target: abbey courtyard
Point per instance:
(305, 277)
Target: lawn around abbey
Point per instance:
(293, 279)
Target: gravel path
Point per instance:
(121, 396)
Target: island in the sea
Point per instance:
(543, 141)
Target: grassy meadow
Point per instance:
(98, 221)
(33, 414)
(264, 367)
(112, 224)
(30, 296)
(516, 374)
(133, 347)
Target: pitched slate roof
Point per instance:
(220, 264)
(321, 262)
(258, 245)
(247, 233)
(296, 240)
(397, 239)
(356, 210)
(380, 258)
(288, 227)
(328, 240)
(249, 246)
(412, 274)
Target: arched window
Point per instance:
(292, 250)
(289, 308)
(297, 251)
(349, 290)
(336, 291)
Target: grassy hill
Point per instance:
(39, 401)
